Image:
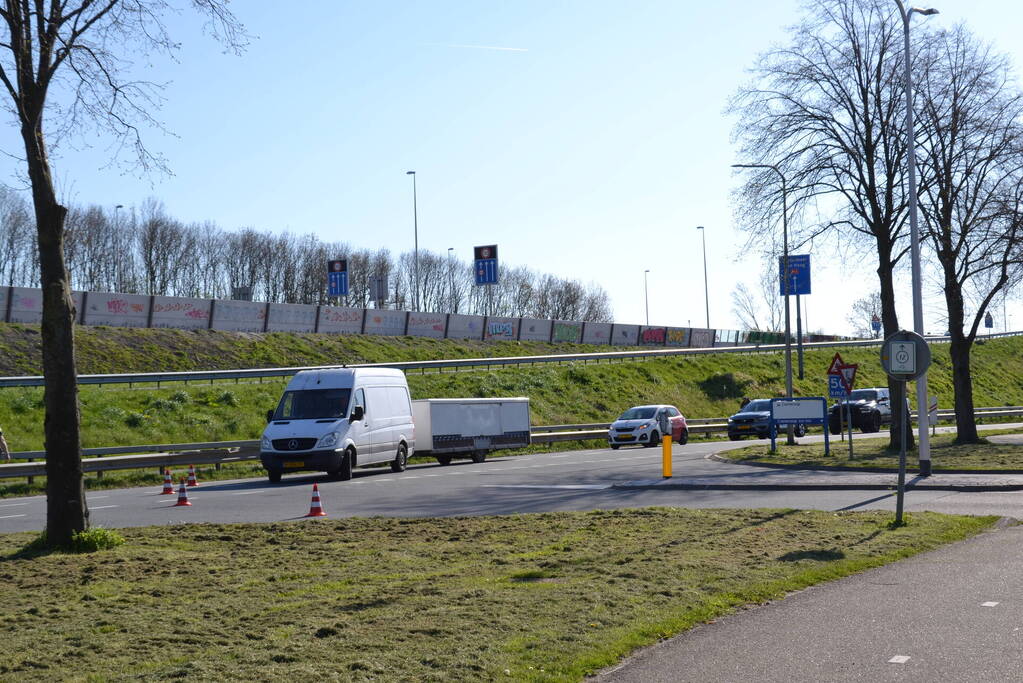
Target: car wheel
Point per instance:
(274, 476)
(444, 459)
(615, 447)
(800, 431)
(835, 427)
(347, 462)
(655, 439)
(683, 438)
(400, 461)
(734, 437)
(876, 422)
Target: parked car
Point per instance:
(754, 419)
(337, 419)
(871, 408)
(644, 425)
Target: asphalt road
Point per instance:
(573, 480)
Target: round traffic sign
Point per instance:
(905, 355)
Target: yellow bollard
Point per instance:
(666, 456)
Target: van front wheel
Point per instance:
(344, 473)
(400, 461)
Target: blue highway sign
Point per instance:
(337, 277)
(485, 264)
(798, 276)
(836, 389)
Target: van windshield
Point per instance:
(313, 404)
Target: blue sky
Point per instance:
(591, 147)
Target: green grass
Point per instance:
(874, 453)
(550, 597)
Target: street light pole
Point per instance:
(646, 297)
(924, 448)
(415, 226)
(706, 295)
(451, 277)
(790, 439)
(119, 258)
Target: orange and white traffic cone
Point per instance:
(168, 485)
(191, 476)
(182, 495)
(316, 510)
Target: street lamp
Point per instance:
(914, 235)
(706, 296)
(646, 297)
(791, 440)
(451, 276)
(415, 226)
(119, 268)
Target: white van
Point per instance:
(335, 420)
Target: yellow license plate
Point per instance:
(294, 464)
(626, 437)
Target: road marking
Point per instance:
(103, 507)
(247, 493)
(588, 487)
(433, 475)
(415, 476)
(97, 497)
(12, 505)
(387, 479)
(988, 604)
(898, 659)
(12, 516)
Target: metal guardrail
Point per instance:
(176, 455)
(441, 365)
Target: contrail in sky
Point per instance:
(482, 47)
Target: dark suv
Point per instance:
(754, 419)
(871, 408)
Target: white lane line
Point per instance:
(587, 487)
(988, 604)
(430, 475)
(247, 493)
(414, 476)
(103, 507)
(12, 516)
(13, 505)
(387, 479)
(898, 659)
(97, 497)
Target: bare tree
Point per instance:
(62, 59)
(760, 311)
(827, 109)
(971, 168)
(864, 312)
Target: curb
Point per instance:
(682, 486)
(844, 468)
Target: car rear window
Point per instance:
(760, 406)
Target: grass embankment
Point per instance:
(548, 597)
(706, 386)
(946, 455)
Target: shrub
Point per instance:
(227, 398)
(88, 541)
(180, 397)
(134, 419)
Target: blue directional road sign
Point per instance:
(485, 264)
(875, 323)
(337, 277)
(798, 276)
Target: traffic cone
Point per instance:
(182, 495)
(191, 476)
(316, 510)
(168, 485)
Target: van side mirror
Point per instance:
(358, 412)
(269, 415)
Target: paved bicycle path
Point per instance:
(953, 614)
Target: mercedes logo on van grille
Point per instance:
(293, 445)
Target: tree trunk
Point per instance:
(890, 322)
(959, 349)
(66, 510)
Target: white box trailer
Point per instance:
(447, 427)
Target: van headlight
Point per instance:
(266, 445)
(327, 440)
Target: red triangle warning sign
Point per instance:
(836, 365)
(848, 374)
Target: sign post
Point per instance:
(798, 280)
(905, 356)
(932, 413)
(841, 377)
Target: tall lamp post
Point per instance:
(119, 268)
(790, 437)
(451, 277)
(914, 235)
(415, 227)
(706, 295)
(646, 298)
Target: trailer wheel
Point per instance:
(444, 459)
(479, 456)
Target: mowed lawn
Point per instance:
(526, 597)
(990, 455)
